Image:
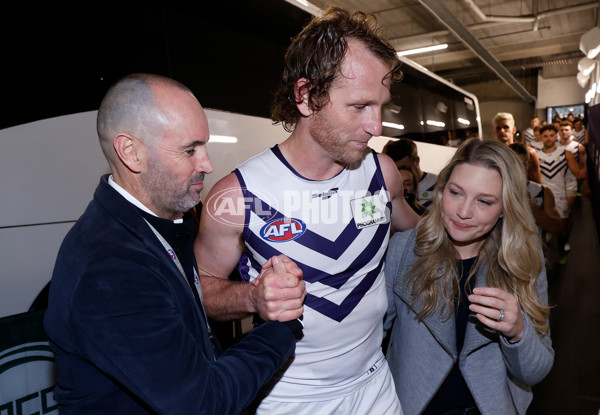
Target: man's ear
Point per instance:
(301, 95)
(129, 150)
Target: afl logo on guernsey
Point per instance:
(283, 230)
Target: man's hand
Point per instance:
(279, 291)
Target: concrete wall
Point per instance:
(495, 96)
(558, 91)
(521, 111)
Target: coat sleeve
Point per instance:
(530, 359)
(136, 328)
(393, 260)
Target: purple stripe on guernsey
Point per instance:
(267, 247)
(311, 274)
(554, 167)
(327, 247)
(339, 312)
(277, 152)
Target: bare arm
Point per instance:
(582, 158)
(548, 217)
(218, 247)
(534, 172)
(574, 165)
(403, 217)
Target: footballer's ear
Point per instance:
(302, 97)
(130, 151)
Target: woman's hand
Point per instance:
(499, 310)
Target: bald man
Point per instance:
(125, 316)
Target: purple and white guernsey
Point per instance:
(337, 231)
(554, 168)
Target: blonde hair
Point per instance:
(512, 250)
(503, 116)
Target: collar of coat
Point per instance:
(442, 328)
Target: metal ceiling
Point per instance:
(488, 39)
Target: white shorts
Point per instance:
(571, 186)
(376, 396)
(562, 207)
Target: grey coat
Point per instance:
(421, 354)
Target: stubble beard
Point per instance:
(337, 147)
(163, 194)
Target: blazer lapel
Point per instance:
(443, 330)
(128, 215)
(477, 334)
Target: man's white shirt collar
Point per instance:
(131, 199)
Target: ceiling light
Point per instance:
(436, 123)
(222, 139)
(590, 42)
(590, 94)
(586, 66)
(393, 125)
(582, 79)
(306, 6)
(464, 122)
(422, 50)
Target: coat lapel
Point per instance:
(477, 334)
(128, 215)
(443, 330)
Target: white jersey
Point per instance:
(537, 145)
(529, 136)
(536, 193)
(579, 135)
(573, 147)
(553, 167)
(337, 231)
(426, 186)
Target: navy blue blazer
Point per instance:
(127, 333)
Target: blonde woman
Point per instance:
(468, 293)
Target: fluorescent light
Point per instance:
(464, 122)
(306, 6)
(222, 139)
(435, 123)
(582, 79)
(590, 94)
(422, 50)
(590, 42)
(586, 66)
(393, 125)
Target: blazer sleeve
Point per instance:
(530, 359)
(393, 260)
(131, 326)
